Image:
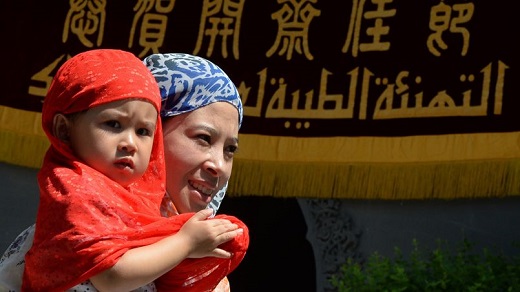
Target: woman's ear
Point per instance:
(61, 127)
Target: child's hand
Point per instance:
(205, 234)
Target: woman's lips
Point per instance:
(202, 189)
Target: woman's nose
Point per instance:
(215, 164)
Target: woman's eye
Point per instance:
(205, 138)
(232, 149)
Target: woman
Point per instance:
(201, 114)
(199, 143)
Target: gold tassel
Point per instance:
(384, 181)
(19, 149)
(402, 168)
(23, 140)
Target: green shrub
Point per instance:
(436, 269)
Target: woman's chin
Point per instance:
(199, 200)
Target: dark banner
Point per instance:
(380, 99)
(305, 68)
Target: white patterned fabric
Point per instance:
(189, 82)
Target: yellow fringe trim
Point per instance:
(23, 140)
(438, 148)
(389, 168)
(396, 181)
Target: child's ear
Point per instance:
(61, 127)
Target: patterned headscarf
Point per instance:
(189, 82)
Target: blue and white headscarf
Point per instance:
(189, 82)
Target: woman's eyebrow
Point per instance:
(214, 131)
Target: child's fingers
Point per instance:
(203, 214)
(229, 235)
(220, 253)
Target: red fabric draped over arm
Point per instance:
(197, 275)
(86, 222)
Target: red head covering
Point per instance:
(86, 221)
(98, 77)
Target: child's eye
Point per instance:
(113, 124)
(144, 132)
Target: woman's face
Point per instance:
(199, 147)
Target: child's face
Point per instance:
(116, 138)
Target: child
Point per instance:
(101, 186)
